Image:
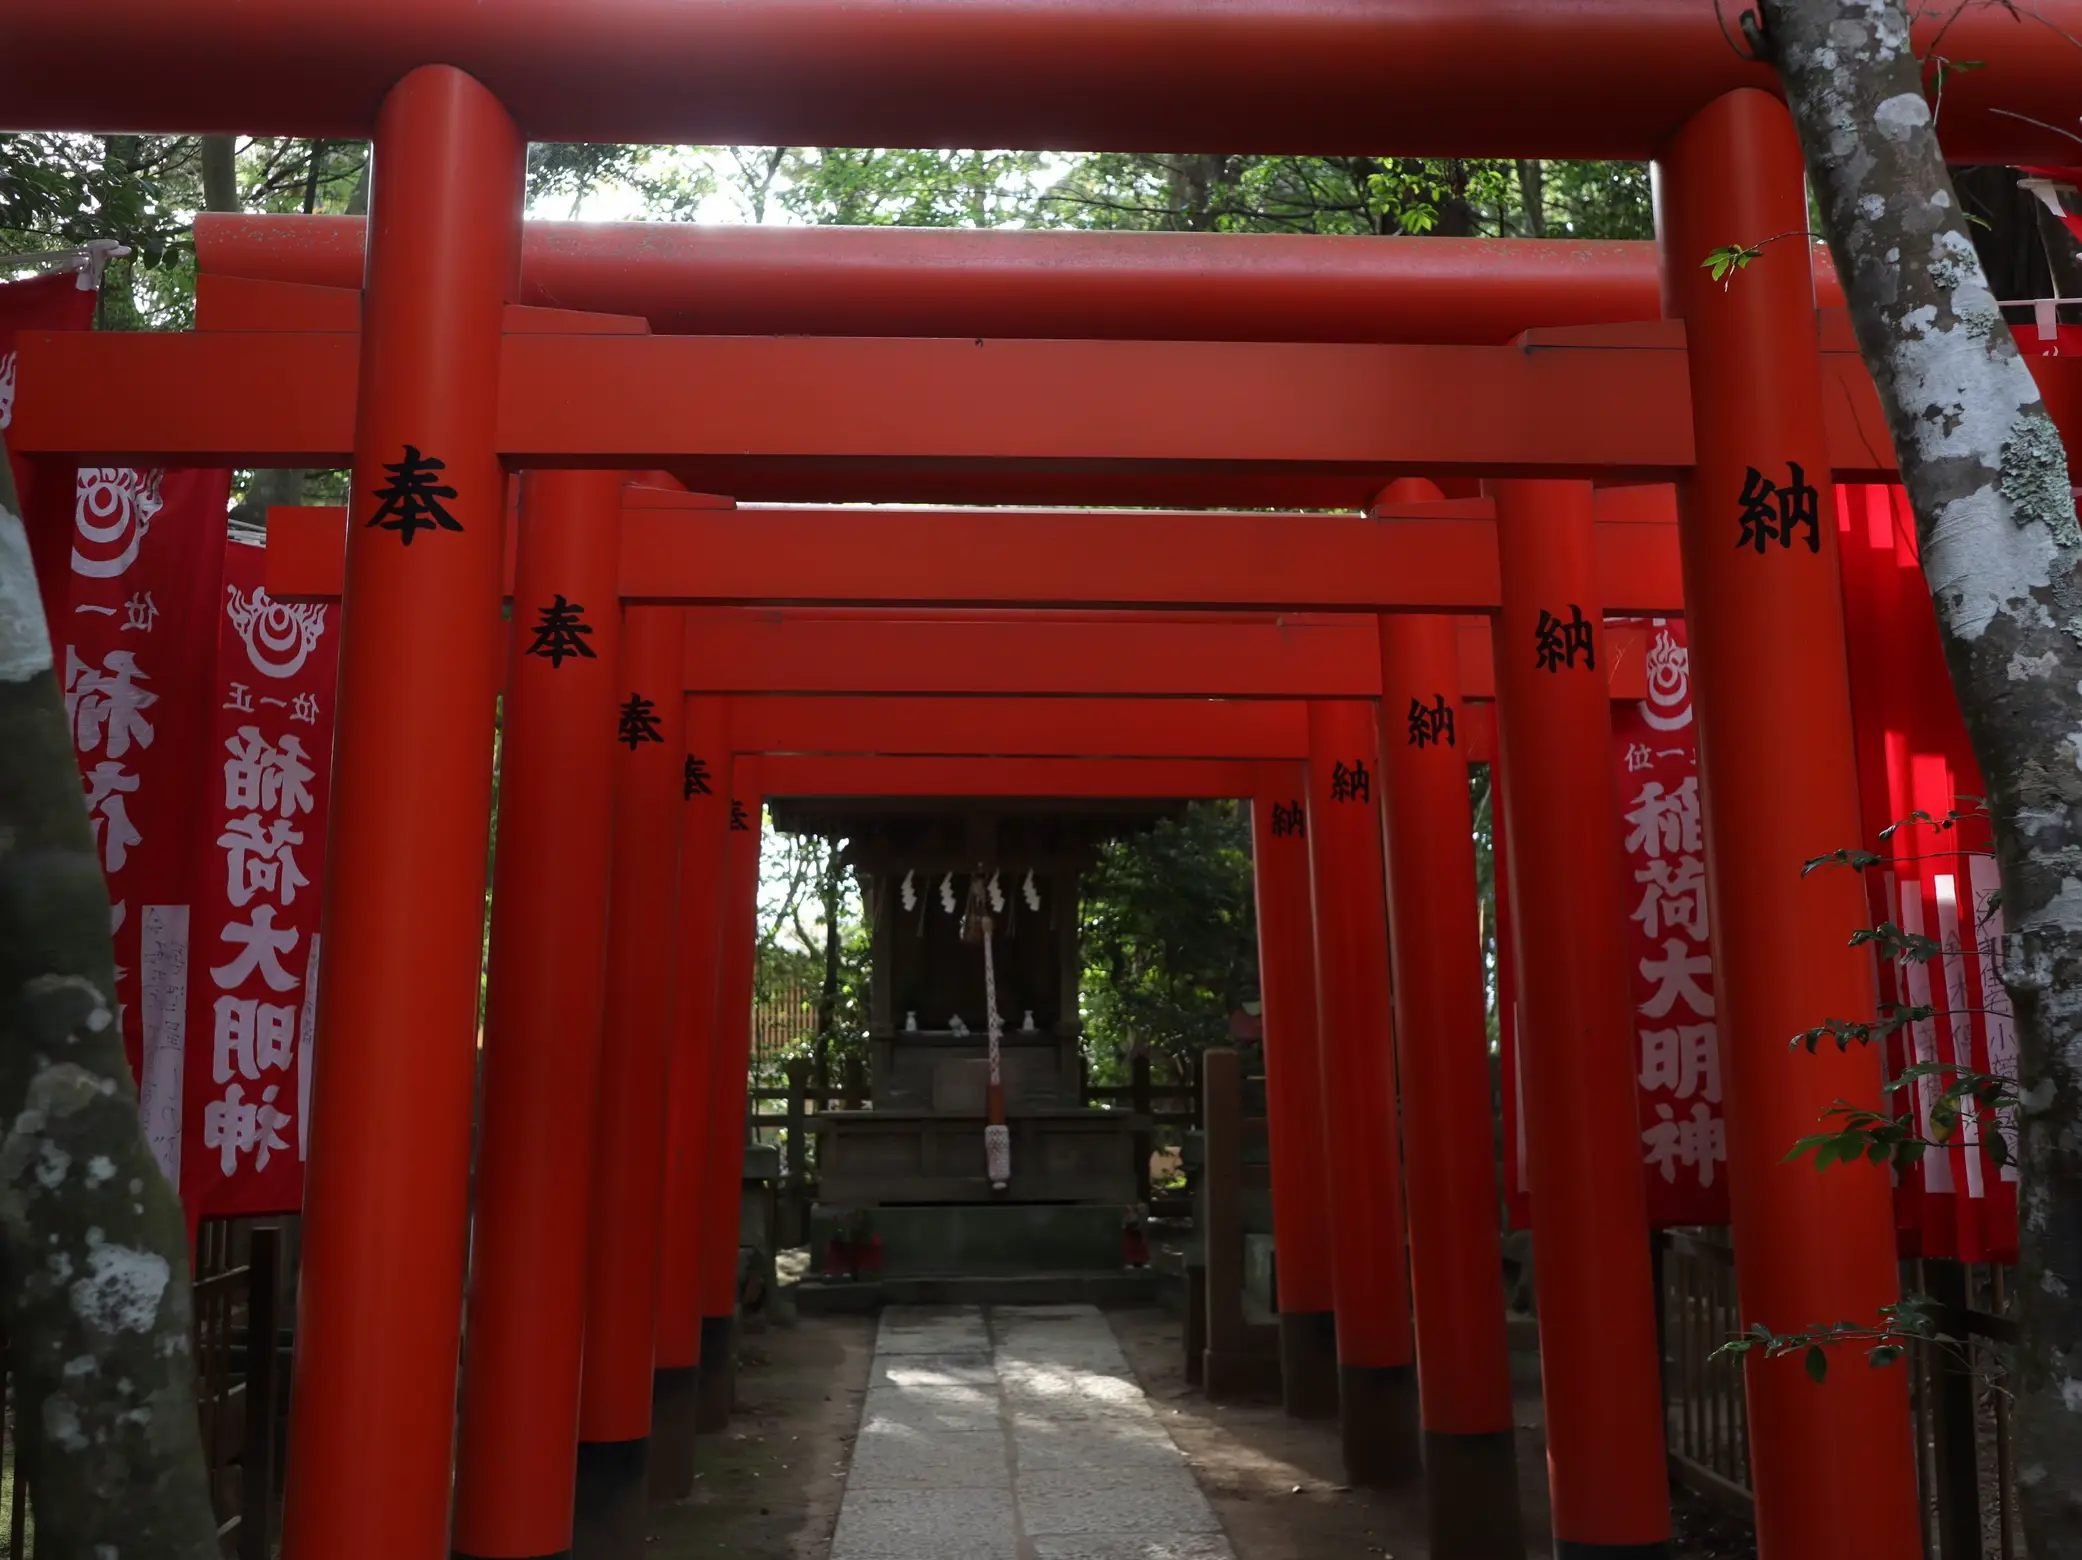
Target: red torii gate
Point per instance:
(1473, 78)
(1624, 78)
(1106, 661)
(259, 272)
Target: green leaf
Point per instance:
(1728, 259)
(1886, 1354)
(1817, 1362)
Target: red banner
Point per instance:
(42, 303)
(1684, 1146)
(261, 821)
(135, 652)
(1913, 756)
(1684, 1138)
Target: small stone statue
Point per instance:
(910, 1023)
(956, 1027)
(1027, 1023)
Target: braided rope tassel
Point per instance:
(997, 1137)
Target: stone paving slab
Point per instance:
(934, 1370)
(1128, 1546)
(872, 1519)
(1015, 1435)
(901, 1457)
(1168, 1510)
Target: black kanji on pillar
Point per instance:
(1351, 784)
(694, 779)
(562, 633)
(639, 722)
(1288, 820)
(1431, 723)
(410, 500)
(1771, 513)
(1557, 643)
(740, 823)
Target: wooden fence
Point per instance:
(784, 1016)
(1964, 1456)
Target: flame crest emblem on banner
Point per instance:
(1668, 706)
(112, 517)
(278, 636)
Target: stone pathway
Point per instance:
(1015, 1434)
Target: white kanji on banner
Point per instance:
(252, 1037)
(262, 945)
(235, 1126)
(265, 777)
(258, 859)
(107, 784)
(106, 704)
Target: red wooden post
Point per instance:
(1377, 1374)
(675, 1397)
(724, 1163)
(542, 1025)
(1602, 1382)
(1442, 1046)
(371, 1453)
(1294, 1105)
(1831, 1463)
(614, 1415)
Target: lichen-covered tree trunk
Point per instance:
(1995, 515)
(93, 1251)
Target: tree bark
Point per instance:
(1532, 196)
(93, 1247)
(220, 173)
(1995, 515)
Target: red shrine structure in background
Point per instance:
(1527, 440)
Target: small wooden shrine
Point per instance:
(920, 1145)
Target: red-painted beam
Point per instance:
(1021, 728)
(1090, 655)
(1142, 778)
(1471, 78)
(1261, 730)
(1428, 557)
(691, 279)
(756, 416)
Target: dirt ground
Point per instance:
(770, 1489)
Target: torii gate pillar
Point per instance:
(1377, 1370)
(675, 1397)
(1607, 1478)
(1294, 1105)
(372, 1412)
(542, 1025)
(724, 1146)
(1442, 1042)
(629, 1120)
(1764, 609)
